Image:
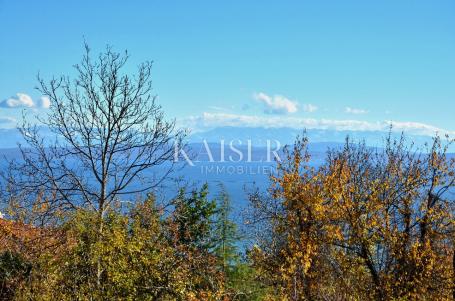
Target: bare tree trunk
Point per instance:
(102, 208)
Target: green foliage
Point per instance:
(243, 283)
(193, 216)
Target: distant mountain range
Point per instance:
(9, 138)
(260, 135)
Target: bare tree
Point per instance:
(108, 132)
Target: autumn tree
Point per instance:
(396, 214)
(299, 229)
(369, 223)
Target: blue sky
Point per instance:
(323, 64)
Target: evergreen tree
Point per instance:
(240, 278)
(193, 216)
(226, 235)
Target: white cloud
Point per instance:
(44, 102)
(310, 108)
(276, 104)
(212, 120)
(22, 100)
(350, 110)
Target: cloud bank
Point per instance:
(22, 100)
(212, 120)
